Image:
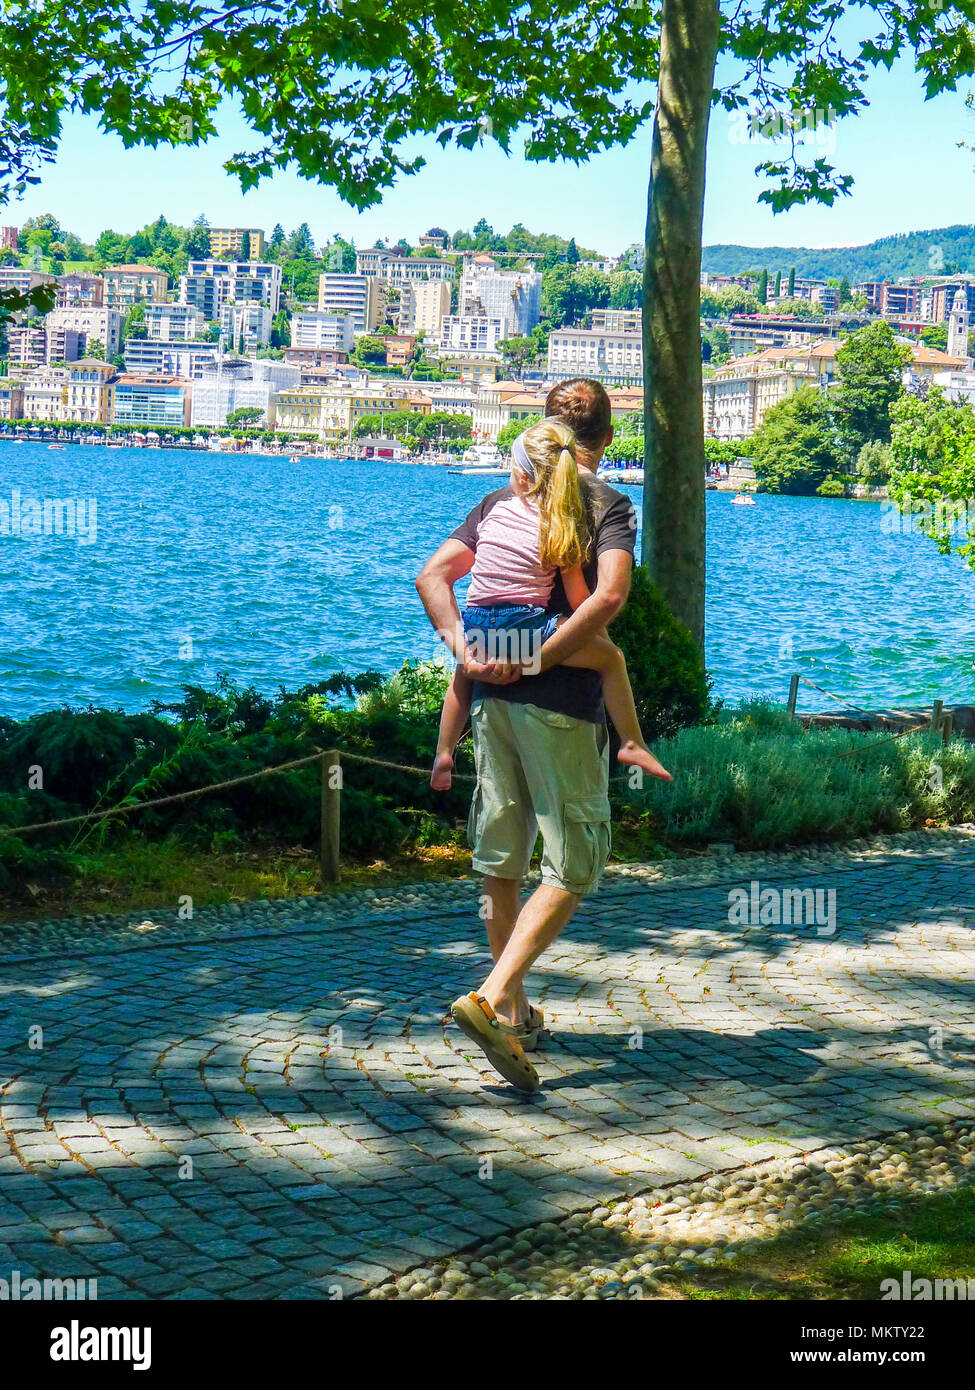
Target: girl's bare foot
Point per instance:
(440, 777)
(638, 756)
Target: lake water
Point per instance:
(281, 573)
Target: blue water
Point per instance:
(281, 573)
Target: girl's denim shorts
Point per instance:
(511, 632)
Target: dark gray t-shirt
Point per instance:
(570, 690)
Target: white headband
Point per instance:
(520, 455)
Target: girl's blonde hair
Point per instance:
(563, 524)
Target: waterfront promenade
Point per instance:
(266, 1102)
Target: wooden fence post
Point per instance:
(331, 816)
(793, 694)
(947, 724)
(936, 714)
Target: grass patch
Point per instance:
(933, 1237)
(140, 875)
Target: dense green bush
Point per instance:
(670, 685)
(98, 759)
(831, 487)
(762, 781)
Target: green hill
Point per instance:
(945, 250)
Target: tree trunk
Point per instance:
(673, 492)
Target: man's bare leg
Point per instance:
(502, 904)
(541, 921)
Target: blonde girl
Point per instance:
(539, 530)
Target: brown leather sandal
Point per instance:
(477, 1020)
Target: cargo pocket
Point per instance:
(586, 841)
(475, 817)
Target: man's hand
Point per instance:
(491, 672)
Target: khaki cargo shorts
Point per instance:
(539, 771)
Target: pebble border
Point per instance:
(35, 938)
(708, 1223)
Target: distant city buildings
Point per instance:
(36, 344)
(475, 334)
(361, 297)
(95, 325)
(323, 330)
(246, 327)
(174, 323)
(236, 243)
(617, 320)
(423, 306)
(210, 284)
(190, 360)
(740, 393)
(89, 392)
(154, 401)
(616, 357)
(253, 384)
(80, 292)
(514, 296)
(126, 285)
(399, 269)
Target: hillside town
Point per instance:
(432, 330)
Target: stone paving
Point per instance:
(283, 1112)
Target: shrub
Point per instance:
(761, 781)
(670, 685)
(831, 487)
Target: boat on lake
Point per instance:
(483, 460)
(743, 499)
(620, 475)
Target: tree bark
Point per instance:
(673, 491)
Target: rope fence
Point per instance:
(936, 721)
(330, 761)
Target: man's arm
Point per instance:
(613, 570)
(435, 585)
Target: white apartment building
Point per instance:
(174, 323)
(389, 265)
(361, 297)
(618, 320)
(209, 285)
(46, 394)
(254, 384)
(515, 296)
(423, 306)
(595, 353)
(144, 357)
(321, 330)
(472, 333)
(248, 323)
(36, 344)
(94, 325)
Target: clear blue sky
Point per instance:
(902, 152)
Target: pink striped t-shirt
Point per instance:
(507, 563)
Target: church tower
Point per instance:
(958, 326)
